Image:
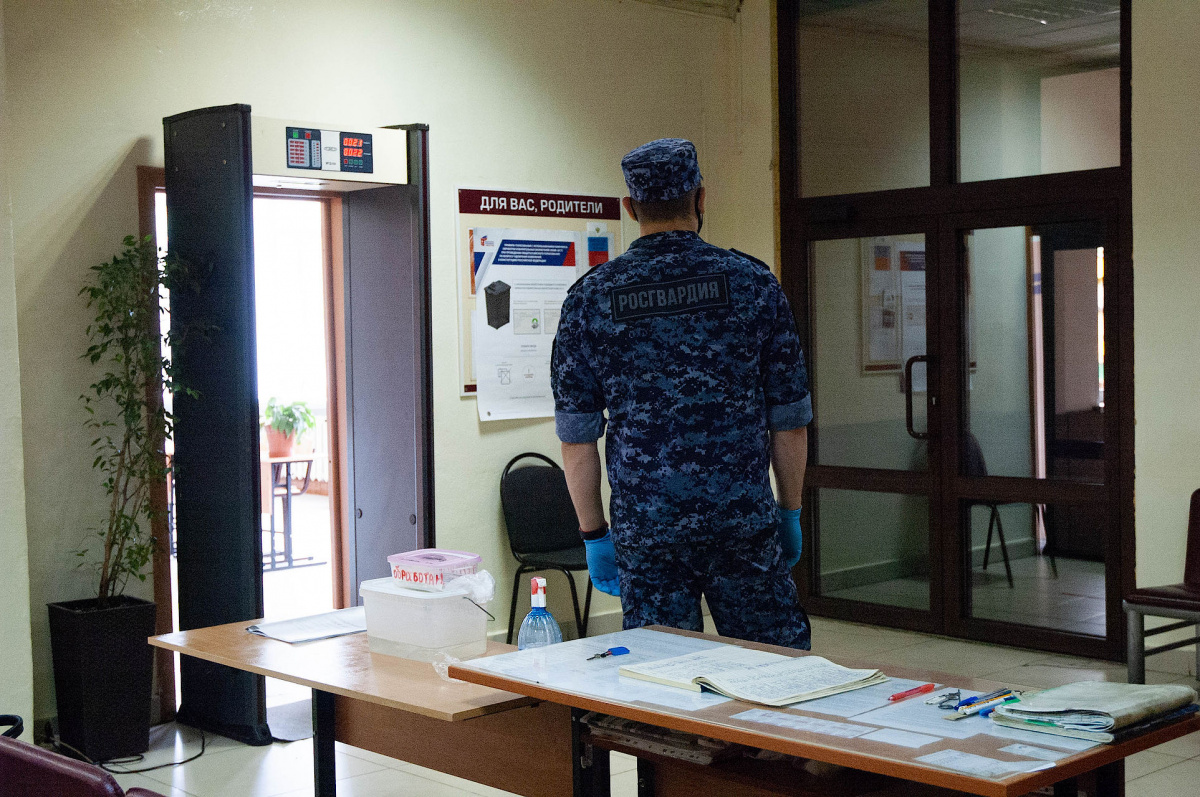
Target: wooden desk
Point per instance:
(1103, 765)
(402, 709)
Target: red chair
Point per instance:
(1178, 601)
(27, 770)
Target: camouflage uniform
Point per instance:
(693, 351)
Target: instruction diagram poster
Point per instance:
(518, 254)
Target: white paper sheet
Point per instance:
(901, 738)
(566, 666)
(318, 626)
(860, 701)
(915, 715)
(1030, 751)
(1035, 738)
(799, 722)
(707, 662)
(979, 766)
(781, 682)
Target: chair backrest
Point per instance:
(15, 725)
(27, 769)
(975, 464)
(538, 512)
(1191, 568)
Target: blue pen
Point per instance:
(988, 711)
(977, 698)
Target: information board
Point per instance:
(519, 252)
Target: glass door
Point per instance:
(1033, 430)
(872, 475)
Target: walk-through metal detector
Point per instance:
(214, 158)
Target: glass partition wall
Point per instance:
(957, 250)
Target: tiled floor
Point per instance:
(1072, 600)
(228, 769)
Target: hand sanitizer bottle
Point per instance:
(539, 627)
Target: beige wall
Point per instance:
(1166, 262)
(542, 96)
(16, 684)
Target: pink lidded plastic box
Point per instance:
(430, 568)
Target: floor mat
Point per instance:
(290, 722)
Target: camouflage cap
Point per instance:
(662, 169)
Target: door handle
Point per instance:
(908, 391)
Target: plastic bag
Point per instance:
(480, 587)
(442, 667)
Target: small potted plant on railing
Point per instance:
(285, 424)
(102, 664)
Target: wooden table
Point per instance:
(1102, 767)
(403, 709)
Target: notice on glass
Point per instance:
(912, 310)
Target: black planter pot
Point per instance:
(103, 669)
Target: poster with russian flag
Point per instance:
(518, 253)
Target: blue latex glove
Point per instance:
(602, 564)
(791, 538)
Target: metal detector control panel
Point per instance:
(329, 150)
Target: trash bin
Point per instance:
(496, 295)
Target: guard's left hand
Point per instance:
(602, 564)
(791, 538)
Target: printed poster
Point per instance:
(519, 253)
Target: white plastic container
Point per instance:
(414, 624)
(431, 568)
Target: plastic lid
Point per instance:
(435, 558)
(388, 586)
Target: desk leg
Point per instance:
(645, 778)
(287, 516)
(1066, 788)
(324, 768)
(1110, 779)
(589, 764)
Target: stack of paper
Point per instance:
(755, 676)
(318, 626)
(1094, 710)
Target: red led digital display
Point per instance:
(352, 152)
(347, 141)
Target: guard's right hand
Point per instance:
(602, 564)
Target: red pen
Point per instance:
(916, 690)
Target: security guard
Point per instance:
(693, 352)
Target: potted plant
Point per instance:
(285, 424)
(102, 664)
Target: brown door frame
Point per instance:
(952, 207)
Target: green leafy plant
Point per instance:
(290, 420)
(125, 407)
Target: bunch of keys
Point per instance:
(946, 700)
(610, 652)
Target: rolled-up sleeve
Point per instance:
(578, 400)
(785, 378)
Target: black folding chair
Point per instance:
(543, 530)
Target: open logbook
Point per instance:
(755, 676)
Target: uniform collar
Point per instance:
(668, 236)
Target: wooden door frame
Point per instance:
(853, 215)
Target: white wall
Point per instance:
(528, 94)
(16, 685)
(1166, 261)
